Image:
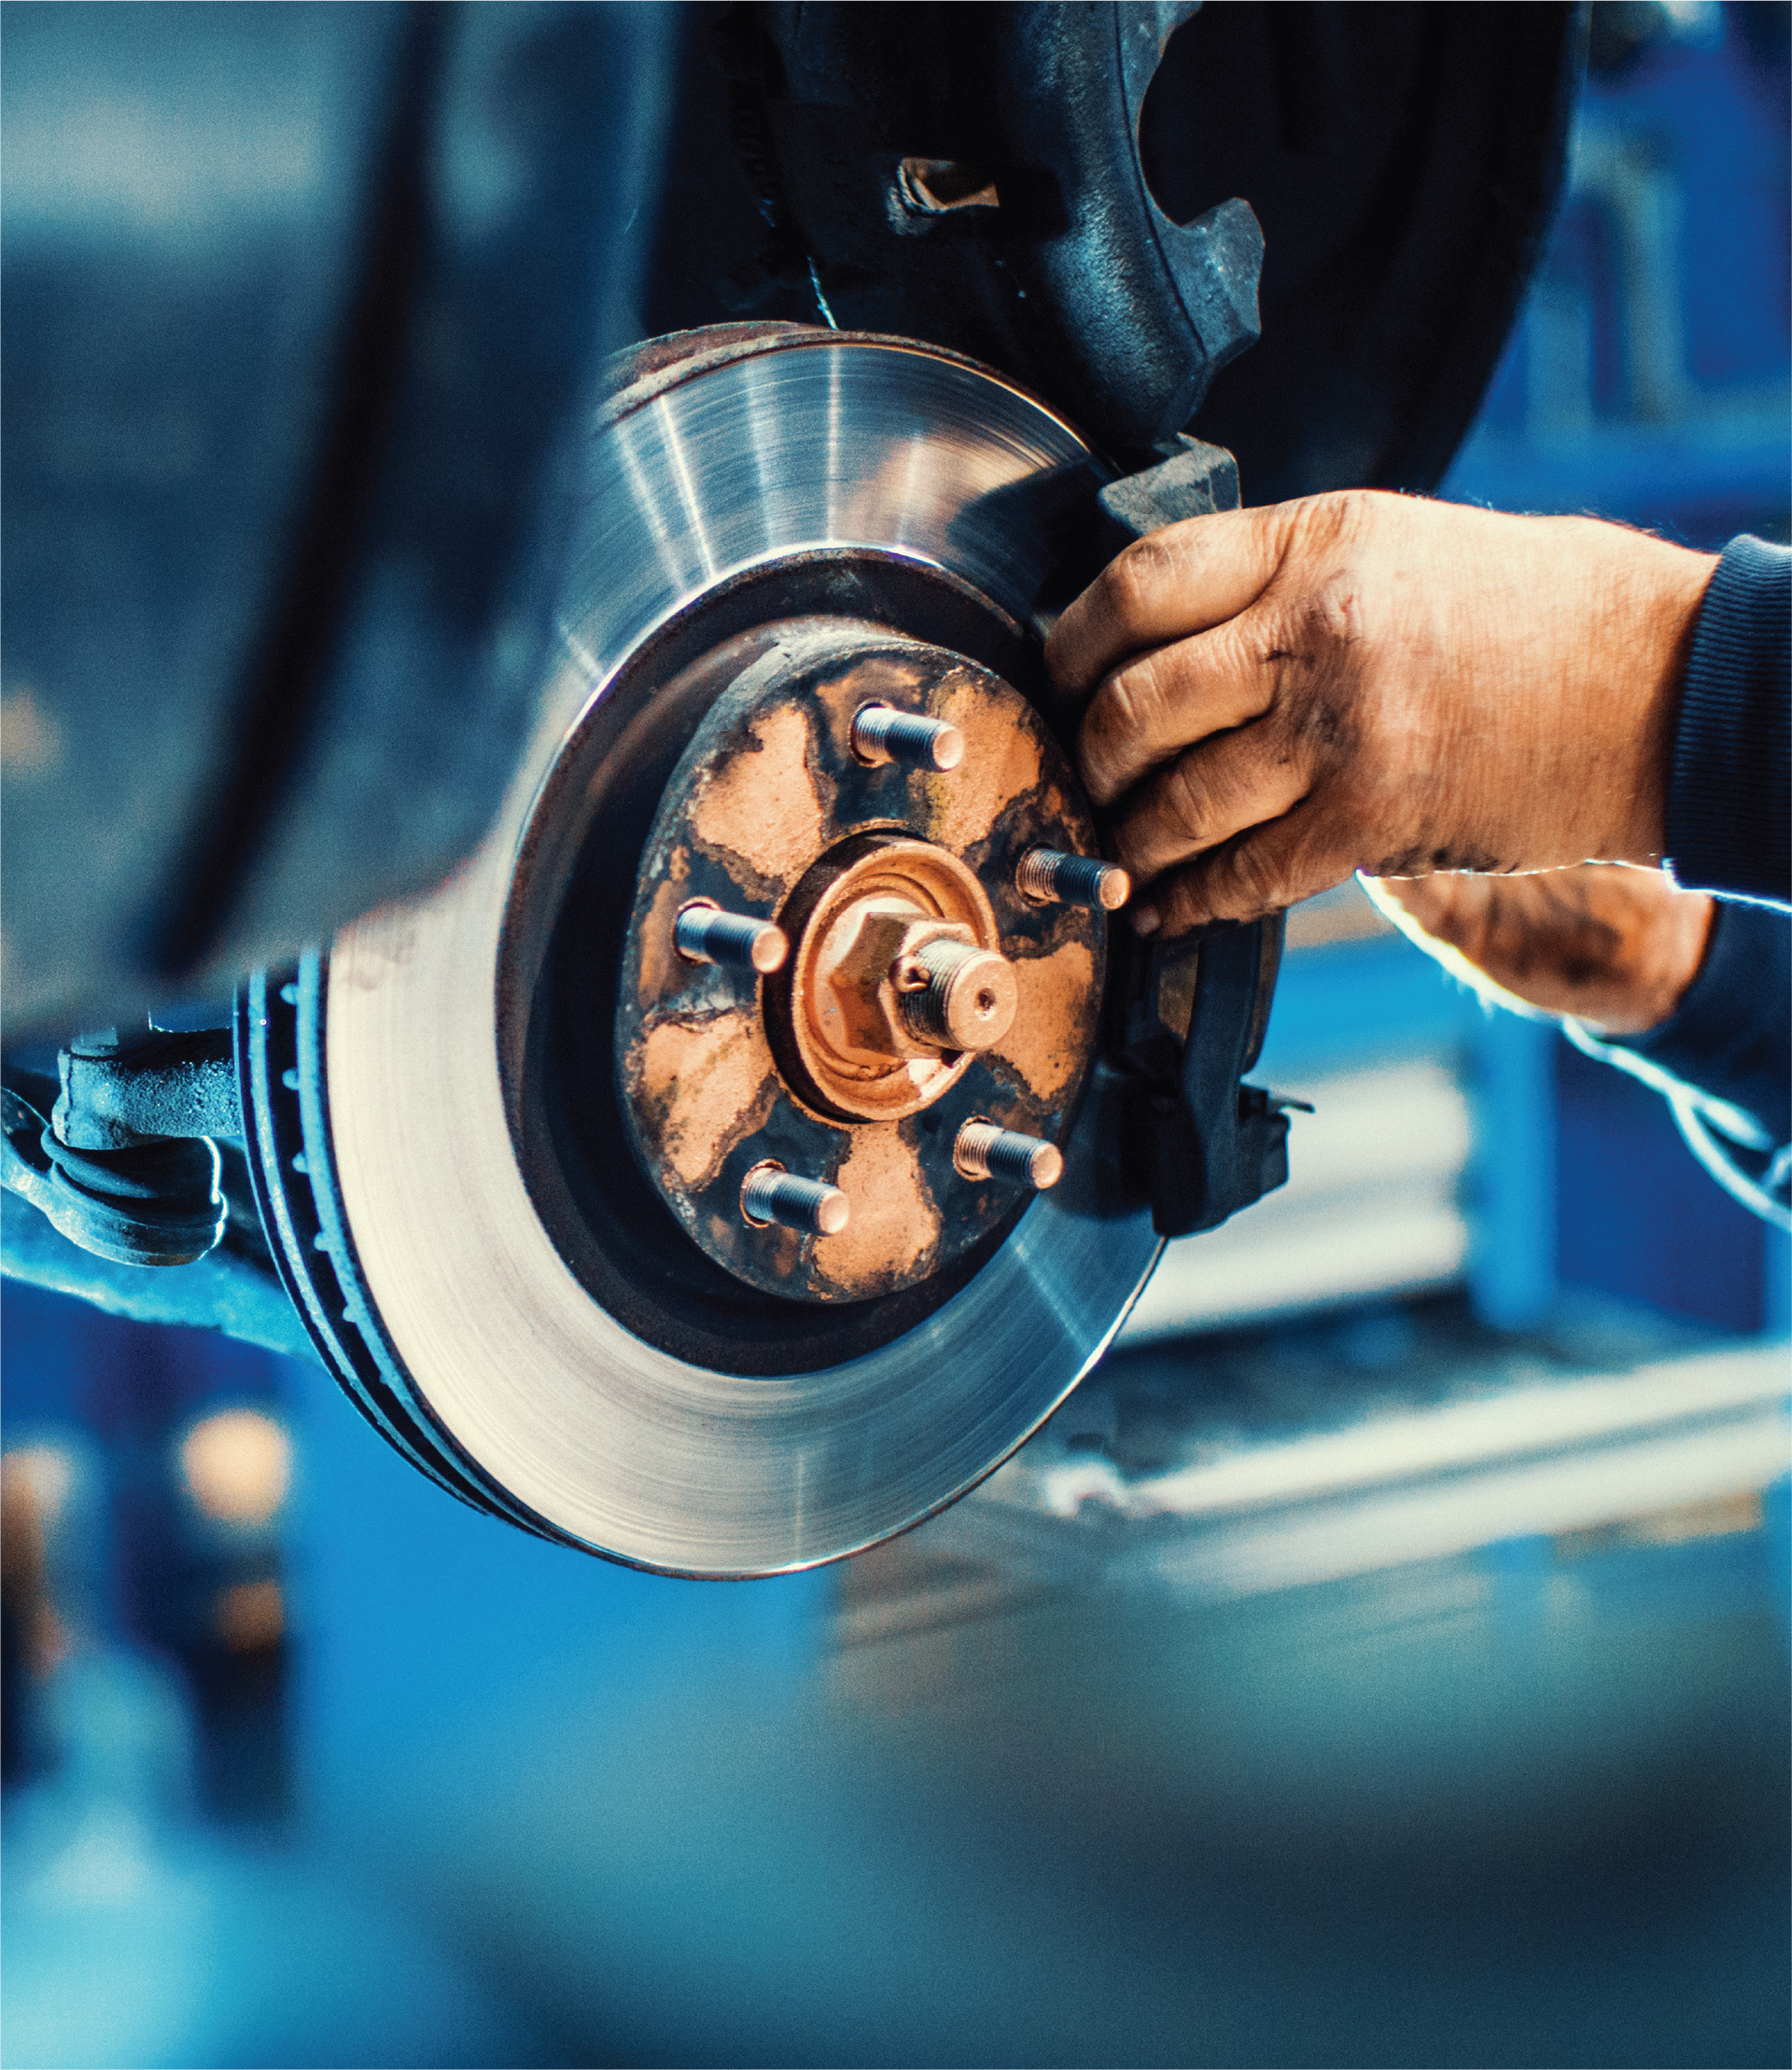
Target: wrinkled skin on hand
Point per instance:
(1275, 698)
(1612, 947)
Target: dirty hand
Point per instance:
(1613, 947)
(1278, 697)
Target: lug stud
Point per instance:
(983, 1151)
(770, 1193)
(1048, 876)
(881, 734)
(706, 934)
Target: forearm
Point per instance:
(1723, 1056)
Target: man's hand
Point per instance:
(1360, 681)
(1613, 947)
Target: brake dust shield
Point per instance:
(531, 1155)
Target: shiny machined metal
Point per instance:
(956, 995)
(769, 1194)
(1049, 877)
(704, 933)
(881, 734)
(983, 1151)
(579, 1416)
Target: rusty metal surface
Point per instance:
(658, 1411)
(772, 814)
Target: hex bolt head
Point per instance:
(706, 934)
(983, 1151)
(881, 734)
(957, 995)
(769, 1194)
(1049, 877)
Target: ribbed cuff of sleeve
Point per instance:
(1730, 795)
(1730, 1037)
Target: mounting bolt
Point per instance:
(1048, 876)
(770, 1193)
(983, 1151)
(706, 934)
(881, 734)
(956, 996)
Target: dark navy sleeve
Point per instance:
(1724, 1057)
(1729, 793)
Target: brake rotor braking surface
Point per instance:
(524, 1312)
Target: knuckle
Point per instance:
(1120, 702)
(1255, 875)
(1332, 518)
(1137, 574)
(1185, 799)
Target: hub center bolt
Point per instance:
(881, 734)
(957, 995)
(769, 1194)
(1048, 876)
(706, 934)
(983, 1151)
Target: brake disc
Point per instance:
(798, 698)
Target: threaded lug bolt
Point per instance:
(983, 1151)
(1048, 876)
(881, 734)
(706, 934)
(955, 996)
(769, 1194)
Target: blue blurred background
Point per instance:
(1382, 1659)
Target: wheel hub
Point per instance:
(867, 803)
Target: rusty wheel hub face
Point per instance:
(871, 797)
(897, 978)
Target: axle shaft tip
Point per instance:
(957, 995)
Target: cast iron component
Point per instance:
(444, 1165)
(127, 1165)
(1190, 1023)
(920, 986)
(992, 191)
(1190, 1014)
(159, 1204)
(1194, 481)
(119, 1091)
(905, 163)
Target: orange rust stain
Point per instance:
(1049, 1040)
(764, 807)
(662, 969)
(894, 1222)
(707, 1083)
(1002, 762)
(879, 679)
